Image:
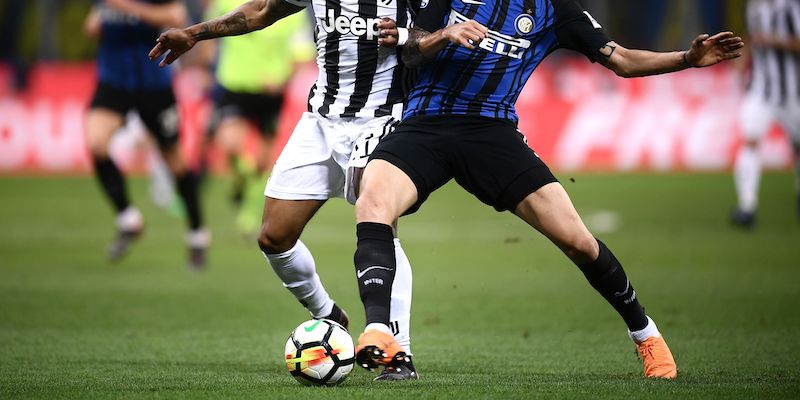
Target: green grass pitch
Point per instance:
(498, 311)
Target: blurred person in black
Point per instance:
(11, 16)
(128, 81)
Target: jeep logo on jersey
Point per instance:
(358, 26)
(497, 42)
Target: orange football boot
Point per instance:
(657, 359)
(376, 348)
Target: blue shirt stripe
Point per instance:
(517, 44)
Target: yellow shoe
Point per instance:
(657, 359)
(376, 348)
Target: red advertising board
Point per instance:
(577, 116)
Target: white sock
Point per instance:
(747, 175)
(400, 311)
(651, 330)
(295, 267)
(130, 219)
(376, 326)
(162, 184)
(198, 238)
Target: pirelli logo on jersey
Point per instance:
(357, 26)
(496, 42)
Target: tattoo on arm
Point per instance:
(250, 16)
(227, 25)
(412, 55)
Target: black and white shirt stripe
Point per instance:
(357, 78)
(776, 73)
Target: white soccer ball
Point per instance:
(320, 352)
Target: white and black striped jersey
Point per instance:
(357, 78)
(776, 73)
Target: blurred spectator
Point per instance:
(48, 12)
(129, 81)
(10, 30)
(773, 95)
(643, 23)
(252, 73)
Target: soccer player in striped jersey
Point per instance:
(355, 102)
(473, 58)
(773, 94)
(127, 81)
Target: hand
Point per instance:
(174, 43)
(707, 51)
(467, 34)
(387, 32)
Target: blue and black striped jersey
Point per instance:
(486, 81)
(122, 60)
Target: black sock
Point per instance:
(607, 277)
(112, 182)
(375, 268)
(187, 188)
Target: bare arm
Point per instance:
(784, 43)
(250, 16)
(92, 23)
(170, 14)
(705, 51)
(423, 45)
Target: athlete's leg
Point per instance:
(187, 184)
(386, 192)
(755, 120)
(101, 124)
(100, 127)
(279, 239)
(400, 309)
(550, 211)
(789, 118)
(159, 114)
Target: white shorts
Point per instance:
(322, 153)
(758, 115)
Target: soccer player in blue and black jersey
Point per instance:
(127, 80)
(473, 58)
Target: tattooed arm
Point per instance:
(250, 16)
(705, 51)
(423, 45)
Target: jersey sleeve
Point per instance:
(432, 15)
(577, 30)
(299, 3)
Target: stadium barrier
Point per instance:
(576, 116)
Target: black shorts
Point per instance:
(156, 108)
(487, 157)
(261, 109)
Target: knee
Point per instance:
(274, 241)
(174, 160)
(98, 147)
(581, 249)
(370, 208)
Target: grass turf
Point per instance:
(498, 311)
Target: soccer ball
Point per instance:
(320, 352)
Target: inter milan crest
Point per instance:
(524, 24)
(423, 3)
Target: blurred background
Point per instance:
(47, 75)
(649, 163)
